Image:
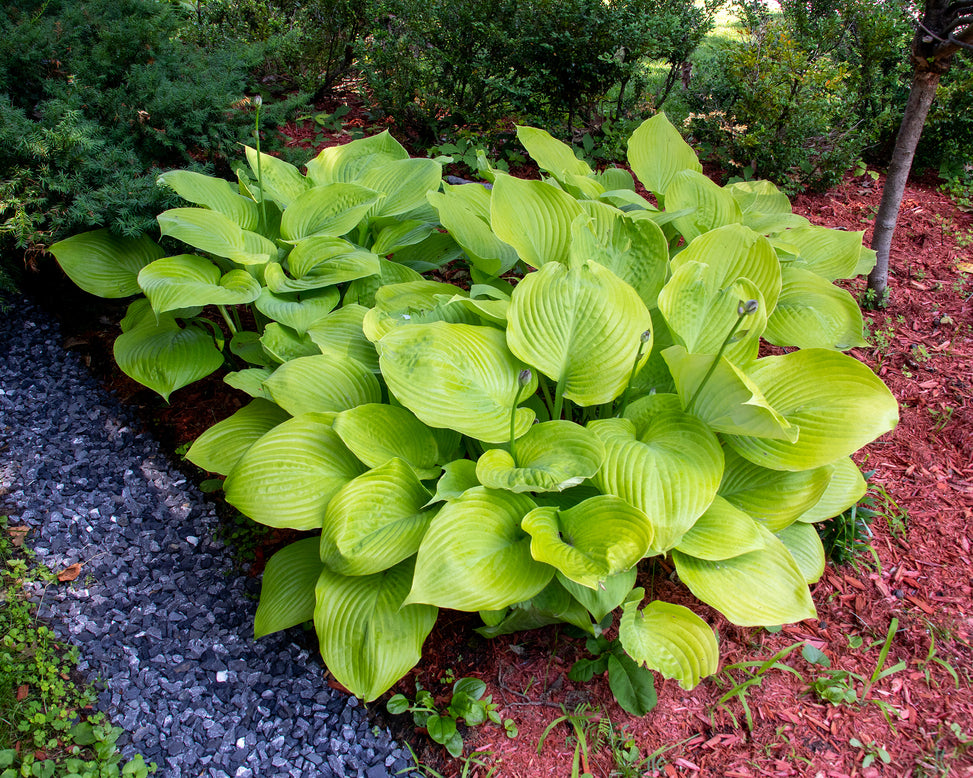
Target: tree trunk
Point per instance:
(921, 95)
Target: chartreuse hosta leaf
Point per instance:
(836, 402)
(757, 589)
(287, 589)
(376, 433)
(403, 182)
(250, 381)
(765, 208)
(458, 476)
(553, 605)
(329, 211)
(188, 280)
(362, 291)
(709, 205)
(219, 448)
(283, 344)
(804, 543)
(465, 212)
(552, 456)
(606, 597)
(580, 326)
(534, 217)
(832, 254)
(298, 310)
(368, 638)
(475, 555)
(728, 401)
(282, 182)
(735, 251)
(217, 234)
(814, 313)
(670, 472)
(104, 264)
(340, 334)
(723, 531)
(351, 161)
(287, 477)
(321, 261)
(846, 487)
(458, 376)
(322, 383)
(635, 250)
(702, 310)
(669, 639)
(397, 235)
(597, 538)
(550, 154)
(414, 302)
(375, 521)
(657, 152)
(775, 498)
(159, 353)
(214, 193)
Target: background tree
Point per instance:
(944, 29)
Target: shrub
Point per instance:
(512, 448)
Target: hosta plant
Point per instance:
(600, 393)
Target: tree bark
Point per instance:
(921, 95)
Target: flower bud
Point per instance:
(258, 100)
(748, 308)
(524, 377)
(646, 336)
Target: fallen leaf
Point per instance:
(69, 573)
(22, 692)
(17, 535)
(965, 267)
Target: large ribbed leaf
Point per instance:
(580, 326)
(414, 302)
(597, 538)
(814, 313)
(217, 234)
(458, 376)
(465, 212)
(552, 456)
(330, 211)
(376, 433)
(831, 254)
(758, 589)
(836, 402)
(162, 355)
(340, 334)
(701, 310)
(298, 310)
(351, 161)
(728, 401)
(458, 476)
(550, 154)
(250, 381)
(671, 474)
(710, 206)
(368, 639)
(188, 280)
(214, 193)
(804, 543)
(475, 555)
(668, 638)
(656, 152)
(287, 589)
(322, 383)
(534, 217)
(321, 261)
(104, 264)
(608, 596)
(375, 521)
(287, 477)
(723, 531)
(404, 182)
(219, 448)
(635, 250)
(362, 290)
(553, 605)
(765, 208)
(284, 344)
(846, 487)
(775, 498)
(281, 181)
(735, 251)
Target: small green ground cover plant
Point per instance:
(519, 445)
(47, 726)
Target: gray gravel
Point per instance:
(162, 616)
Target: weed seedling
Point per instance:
(754, 672)
(871, 751)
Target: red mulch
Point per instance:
(924, 480)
